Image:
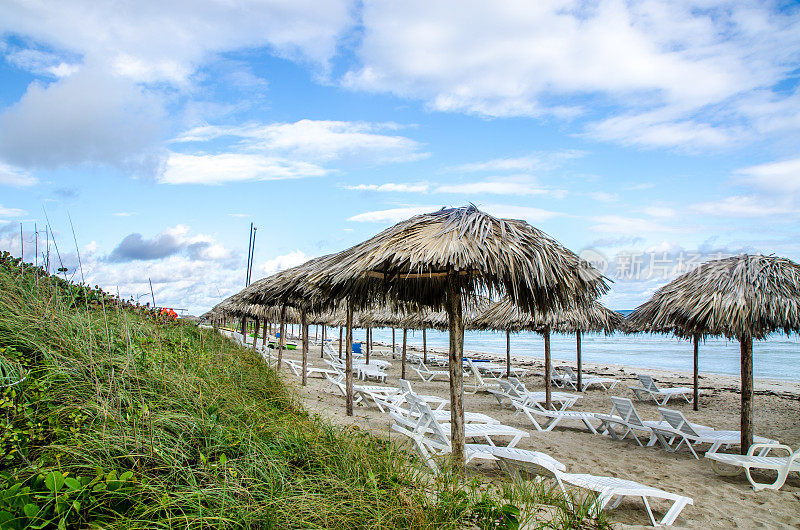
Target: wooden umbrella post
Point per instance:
(264, 336)
(746, 347)
(322, 343)
(403, 362)
(244, 329)
(456, 365)
(340, 342)
(508, 353)
(304, 326)
(255, 334)
(580, 361)
(367, 346)
(282, 340)
(424, 346)
(695, 400)
(547, 369)
(392, 343)
(349, 359)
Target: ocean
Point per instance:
(774, 358)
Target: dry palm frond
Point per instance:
(741, 296)
(408, 265)
(506, 316)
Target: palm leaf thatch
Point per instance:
(746, 295)
(506, 316)
(410, 261)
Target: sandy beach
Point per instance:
(719, 502)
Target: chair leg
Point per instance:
(673, 512)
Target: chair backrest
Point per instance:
(626, 410)
(648, 382)
(475, 372)
(337, 382)
(568, 370)
(424, 369)
(509, 389)
(519, 385)
(405, 386)
(337, 366)
(678, 421)
(532, 461)
(421, 424)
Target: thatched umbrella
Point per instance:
(438, 260)
(744, 297)
(506, 316)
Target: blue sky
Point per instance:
(641, 134)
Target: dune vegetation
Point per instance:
(113, 415)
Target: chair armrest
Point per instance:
(768, 447)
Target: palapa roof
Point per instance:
(739, 296)
(408, 264)
(505, 315)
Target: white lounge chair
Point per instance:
(427, 375)
(380, 395)
(649, 390)
(623, 414)
(675, 425)
(763, 460)
(421, 425)
(548, 419)
(297, 368)
(435, 401)
(569, 377)
(607, 488)
(565, 400)
(476, 382)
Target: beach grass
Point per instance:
(127, 419)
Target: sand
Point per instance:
(719, 502)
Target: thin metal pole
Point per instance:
(695, 400)
(249, 251)
(580, 361)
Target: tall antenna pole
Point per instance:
(21, 245)
(249, 251)
(252, 256)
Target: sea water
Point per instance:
(778, 357)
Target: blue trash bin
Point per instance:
(356, 347)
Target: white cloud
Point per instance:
(658, 211)
(88, 117)
(393, 215)
(41, 63)
(525, 213)
(659, 130)
(285, 261)
(10, 213)
(603, 196)
(141, 40)
(618, 224)
(773, 177)
(122, 214)
(508, 211)
(390, 187)
(522, 186)
(117, 67)
(532, 162)
(169, 242)
(745, 206)
(693, 62)
(234, 167)
(12, 176)
(316, 140)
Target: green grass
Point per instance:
(126, 420)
